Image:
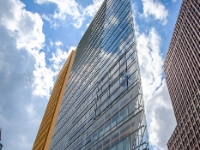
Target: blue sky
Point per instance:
(36, 37)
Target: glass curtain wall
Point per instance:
(102, 106)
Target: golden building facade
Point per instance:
(45, 132)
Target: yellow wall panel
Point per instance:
(45, 132)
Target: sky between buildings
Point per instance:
(36, 37)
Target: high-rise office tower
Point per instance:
(182, 70)
(102, 106)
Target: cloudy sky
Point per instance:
(35, 39)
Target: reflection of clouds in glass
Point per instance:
(112, 21)
(126, 43)
(107, 61)
(107, 70)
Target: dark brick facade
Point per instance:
(182, 70)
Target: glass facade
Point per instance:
(102, 106)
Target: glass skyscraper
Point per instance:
(102, 106)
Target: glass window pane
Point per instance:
(131, 69)
(114, 69)
(99, 147)
(114, 86)
(100, 131)
(114, 76)
(133, 78)
(115, 120)
(115, 138)
(106, 144)
(95, 136)
(124, 131)
(114, 148)
(107, 126)
(120, 145)
(127, 144)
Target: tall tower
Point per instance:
(102, 106)
(182, 70)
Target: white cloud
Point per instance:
(91, 10)
(162, 120)
(156, 9)
(59, 57)
(58, 43)
(87, 25)
(150, 61)
(53, 23)
(64, 8)
(70, 10)
(24, 76)
(26, 28)
(43, 76)
(51, 43)
(16, 115)
(155, 94)
(173, 1)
